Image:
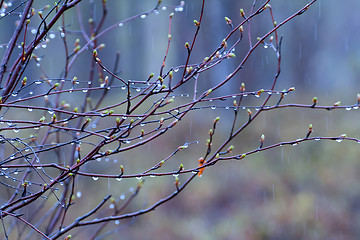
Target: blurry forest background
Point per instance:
(308, 191)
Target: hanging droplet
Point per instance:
(95, 178)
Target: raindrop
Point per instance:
(38, 64)
(4, 168)
(14, 94)
(98, 159)
(138, 178)
(156, 12)
(123, 88)
(121, 24)
(245, 95)
(16, 130)
(33, 31)
(138, 89)
(51, 112)
(124, 117)
(339, 140)
(142, 124)
(227, 108)
(233, 96)
(294, 144)
(85, 90)
(95, 178)
(118, 179)
(38, 82)
(127, 142)
(257, 109)
(143, 16)
(175, 175)
(152, 176)
(78, 194)
(52, 35)
(131, 189)
(163, 8)
(117, 222)
(269, 93)
(213, 107)
(62, 34)
(44, 46)
(176, 70)
(16, 172)
(257, 95)
(266, 46)
(122, 196)
(356, 107)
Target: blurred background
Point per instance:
(308, 191)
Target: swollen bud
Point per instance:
(242, 12)
(315, 101)
(228, 21)
(337, 104)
